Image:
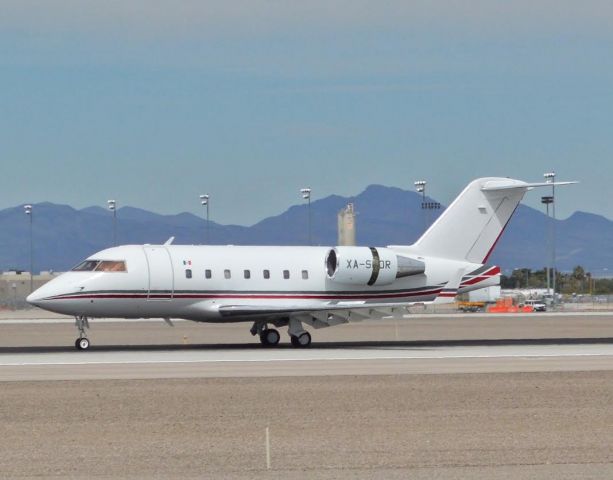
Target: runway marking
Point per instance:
(71, 321)
(270, 360)
(409, 316)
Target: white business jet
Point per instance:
(292, 286)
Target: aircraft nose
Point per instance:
(41, 297)
(34, 298)
(45, 296)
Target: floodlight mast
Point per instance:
(28, 211)
(550, 177)
(420, 186)
(306, 195)
(112, 204)
(547, 200)
(204, 201)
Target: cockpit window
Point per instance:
(86, 266)
(111, 266)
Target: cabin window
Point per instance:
(111, 266)
(188, 273)
(286, 274)
(207, 273)
(86, 266)
(305, 274)
(227, 273)
(266, 274)
(247, 274)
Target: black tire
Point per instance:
(82, 343)
(272, 337)
(302, 341)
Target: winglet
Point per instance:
(450, 290)
(169, 241)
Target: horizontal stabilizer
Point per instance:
(450, 290)
(511, 184)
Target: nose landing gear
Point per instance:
(81, 343)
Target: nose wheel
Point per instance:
(81, 343)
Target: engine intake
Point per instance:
(369, 266)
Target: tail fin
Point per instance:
(470, 227)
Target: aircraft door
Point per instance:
(161, 275)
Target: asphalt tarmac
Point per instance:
(436, 397)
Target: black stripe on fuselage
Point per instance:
(249, 293)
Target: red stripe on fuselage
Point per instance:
(484, 276)
(247, 296)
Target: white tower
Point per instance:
(346, 226)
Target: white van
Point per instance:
(537, 305)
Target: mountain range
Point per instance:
(63, 235)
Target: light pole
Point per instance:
(204, 201)
(28, 211)
(420, 186)
(547, 200)
(306, 194)
(550, 177)
(113, 208)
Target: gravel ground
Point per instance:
(515, 425)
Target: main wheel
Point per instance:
(270, 337)
(301, 341)
(82, 343)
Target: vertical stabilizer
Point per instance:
(470, 227)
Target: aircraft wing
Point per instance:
(319, 316)
(327, 315)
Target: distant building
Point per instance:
(346, 226)
(15, 287)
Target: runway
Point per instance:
(374, 359)
(41, 349)
(434, 397)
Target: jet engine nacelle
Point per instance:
(369, 266)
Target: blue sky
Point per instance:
(154, 102)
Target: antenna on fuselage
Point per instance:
(169, 241)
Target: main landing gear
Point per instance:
(270, 337)
(299, 336)
(301, 341)
(81, 343)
